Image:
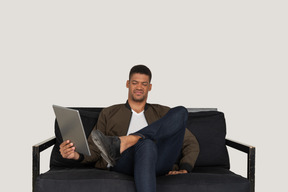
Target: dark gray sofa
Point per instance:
(211, 172)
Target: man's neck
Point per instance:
(137, 106)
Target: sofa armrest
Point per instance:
(37, 149)
(250, 151)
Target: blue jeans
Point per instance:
(157, 150)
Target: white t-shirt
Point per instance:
(138, 121)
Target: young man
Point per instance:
(140, 139)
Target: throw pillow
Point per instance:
(209, 128)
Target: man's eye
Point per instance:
(144, 84)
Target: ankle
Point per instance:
(128, 141)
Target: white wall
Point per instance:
(225, 54)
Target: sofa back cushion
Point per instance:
(209, 128)
(89, 118)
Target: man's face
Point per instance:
(138, 86)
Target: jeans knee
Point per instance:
(147, 148)
(180, 113)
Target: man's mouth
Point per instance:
(137, 92)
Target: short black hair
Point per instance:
(142, 69)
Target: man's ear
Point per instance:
(150, 87)
(127, 83)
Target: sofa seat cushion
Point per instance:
(217, 179)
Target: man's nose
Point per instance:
(139, 86)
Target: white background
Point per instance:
(226, 54)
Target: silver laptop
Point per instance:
(71, 128)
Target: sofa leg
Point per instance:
(36, 166)
(251, 168)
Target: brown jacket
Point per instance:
(115, 120)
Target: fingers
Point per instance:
(183, 171)
(177, 172)
(172, 173)
(67, 150)
(64, 143)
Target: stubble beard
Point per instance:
(138, 99)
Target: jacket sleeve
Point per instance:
(95, 157)
(190, 151)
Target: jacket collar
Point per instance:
(128, 106)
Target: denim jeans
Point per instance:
(157, 150)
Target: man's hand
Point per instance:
(177, 172)
(67, 151)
